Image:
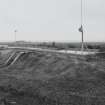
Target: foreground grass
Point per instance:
(53, 79)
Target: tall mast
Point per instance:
(81, 12)
(82, 33)
(81, 28)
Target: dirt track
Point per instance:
(55, 51)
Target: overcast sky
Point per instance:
(51, 20)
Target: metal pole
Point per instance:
(81, 12)
(82, 33)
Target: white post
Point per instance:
(15, 32)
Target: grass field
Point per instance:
(56, 45)
(42, 78)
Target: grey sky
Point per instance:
(59, 20)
